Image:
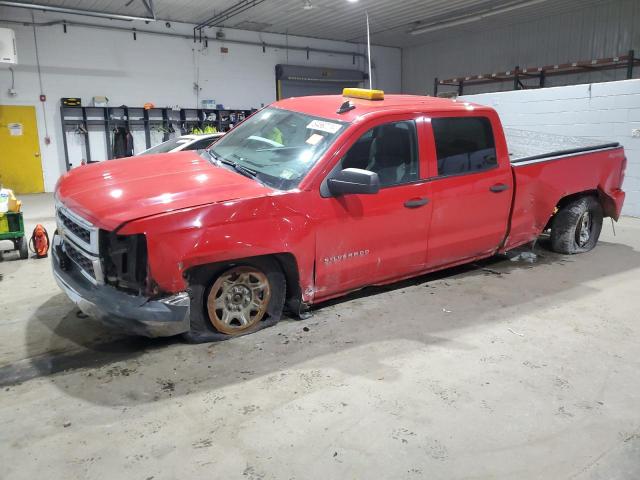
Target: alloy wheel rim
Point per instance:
(238, 300)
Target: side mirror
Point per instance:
(354, 180)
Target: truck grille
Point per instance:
(76, 229)
(79, 231)
(80, 241)
(85, 263)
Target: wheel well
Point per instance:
(574, 196)
(286, 261)
(289, 266)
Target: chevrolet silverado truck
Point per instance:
(314, 197)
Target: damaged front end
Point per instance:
(107, 276)
(125, 265)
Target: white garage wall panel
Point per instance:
(607, 29)
(607, 111)
(87, 62)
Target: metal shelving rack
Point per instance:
(520, 76)
(108, 118)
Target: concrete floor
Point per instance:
(502, 370)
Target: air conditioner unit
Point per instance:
(8, 50)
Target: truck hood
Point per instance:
(113, 192)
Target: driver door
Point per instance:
(366, 239)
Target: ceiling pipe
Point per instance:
(232, 11)
(148, 4)
(73, 11)
(189, 37)
(432, 27)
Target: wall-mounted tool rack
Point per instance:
(81, 120)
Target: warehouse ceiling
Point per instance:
(391, 21)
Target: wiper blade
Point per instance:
(280, 149)
(212, 155)
(247, 172)
(242, 170)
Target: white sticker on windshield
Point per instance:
(324, 126)
(315, 139)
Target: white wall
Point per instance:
(87, 62)
(608, 111)
(596, 31)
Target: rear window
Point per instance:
(464, 145)
(167, 146)
(202, 144)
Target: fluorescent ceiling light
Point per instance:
(472, 18)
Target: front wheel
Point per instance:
(236, 300)
(577, 225)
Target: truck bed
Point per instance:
(528, 146)
(547, 168)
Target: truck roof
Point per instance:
(326, 106)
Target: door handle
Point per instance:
(499, 187)
(416, 202)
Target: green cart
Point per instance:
(12, 228)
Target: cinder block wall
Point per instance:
(607, 111)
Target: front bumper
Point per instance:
(134, 314)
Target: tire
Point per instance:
(577, 225)
(207, 325)
(23, 248)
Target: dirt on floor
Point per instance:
(503, 369)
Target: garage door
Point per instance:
(300, 81)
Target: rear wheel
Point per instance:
(577, 225)
(236, 300)
(23, 248)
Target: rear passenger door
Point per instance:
(471, 188)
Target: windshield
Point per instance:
(167, 146)
(278, 146)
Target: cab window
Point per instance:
(390, 150)
(464, 145)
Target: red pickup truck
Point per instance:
(314, 197)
